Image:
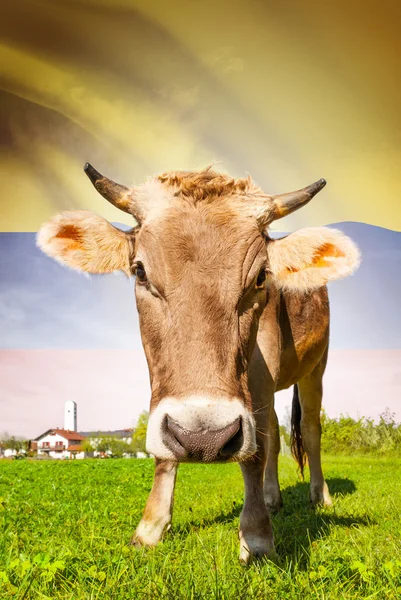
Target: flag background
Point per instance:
(288, 92)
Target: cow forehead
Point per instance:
(209, 235)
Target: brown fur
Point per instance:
(210, 277)
(207, 328)
(87, 242)
(207, 184)
(159, 507)
(309, 258)
(70, 232)
(325, 251)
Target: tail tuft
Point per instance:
(297, 447)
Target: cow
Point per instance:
(228, 316)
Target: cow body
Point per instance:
(291, 349)
(228, 316)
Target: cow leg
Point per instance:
(271, 488)
(255, 532)
(310, 396)
(159, 507)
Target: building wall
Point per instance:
(70, 415)
(65, 454)
(52, 439)
(52, 452)
(8, 452)
(94, 441)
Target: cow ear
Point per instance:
(309, 258)
(84, 241)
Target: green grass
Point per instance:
(65, 528)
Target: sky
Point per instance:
(288, 92)
(44, 305)
(113, 387)
(66, 336)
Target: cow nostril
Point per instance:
(176, 431)
(234, 444)
(173, 439)
(203, 445)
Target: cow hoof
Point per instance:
(320, 496)
(148, 534)
(136, 541)
(255, 546)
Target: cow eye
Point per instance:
(261, 278)
(141, 273)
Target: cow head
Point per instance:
(204, 267)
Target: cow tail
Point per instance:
(297, 448)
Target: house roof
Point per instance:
(118, 433)
(74, 448)
(65, 433)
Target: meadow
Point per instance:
(65, 528)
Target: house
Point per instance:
(7, 452)
(59, 443)
(10, 452)
(65, 443)
(11, 448)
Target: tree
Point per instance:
(118, 447)
(286, 421)
(109, 444)
(138, 443)
(14, 443)
(87, 446)
(285, 435)
(102, 443)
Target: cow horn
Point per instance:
(119, 195)
(285, 204)
(116, 194)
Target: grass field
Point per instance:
(65, 527)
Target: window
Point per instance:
(45, 444)
(59, 444)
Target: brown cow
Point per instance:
(228, 316)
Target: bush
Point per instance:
(362, 435)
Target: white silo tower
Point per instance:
(70, 415)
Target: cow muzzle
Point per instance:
(201, 429)
(204, 445)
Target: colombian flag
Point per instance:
(288, 92)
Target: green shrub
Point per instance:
(363, 435)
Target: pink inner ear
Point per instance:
(325, 251)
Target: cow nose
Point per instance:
(203, 445)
